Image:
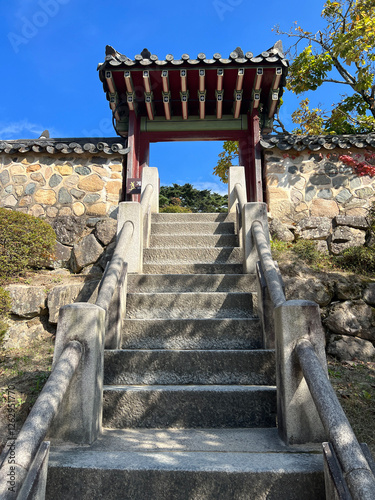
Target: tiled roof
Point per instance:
(108, 146)
(317, 142)
(146, 58)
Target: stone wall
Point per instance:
(319, 184)
(52, 186)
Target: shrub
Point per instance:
(358, 259)
(25, 242)
(306, 250)
(175, 209)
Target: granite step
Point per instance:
(213, 333)
(202, 240)
(174, 464)
(216, 255)
(192, 268)
(189, 305)
(170, 367)
(182, 228)
(189, 406)
(197, 217)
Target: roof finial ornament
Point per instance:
(44, 135)
(146, 54)
(239, 52)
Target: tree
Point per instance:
(342, 53)
(188, 197)
(226, 158)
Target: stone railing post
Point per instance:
(79, 419)
(298, 418)
(252, 212)
(150, 175)
(132, 211)
(236, 175)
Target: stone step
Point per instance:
(170, 367)
(157, 283)
(196, 268)
(174, 464)
(226, 255)
(177, 218)
(189, 305)
(202, 240)
(198, 228)
(191, 406)
(192, 334)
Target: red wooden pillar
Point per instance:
(132, 169)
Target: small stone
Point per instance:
(30, 188)
(339, 181)
(77, 193)
(78, 208)
(65, 169)
(91, 183)
(293, 169)
(65, 211)
(351, 221)
(33, 168)
(83, 170)
(55, 180)
(71, 181)
(64, 196)
(52, 211)
(38, 177)
(355, 183)
(91, 198)
(97, 209)
(324, 208)
(9, 189)
(325, 194)
(10, 201)
(19, 179)
(347, 289)
(353, 317)
(296, 196)
(344, 196)
(19, 190)
(17, 169)
(45, 196)
(310, 192)
(116, 175)
(4, 177)
(320, 180)
(36, 210)
(100, 170)
(114, 187)
(116, 167)
(61, 256)
(365, 192)
(25, 201)
(68, 229)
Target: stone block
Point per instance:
(344, 196)
(62, 295)
(353, 317)
(369, 294)
(320, 180)
(68, 229)
(308, 289)
(27, 301)
(345, 347)
(105, 231)
(365, 192)
(345, 237)
(4, 177)
(36, 210)
(314, 228)
(38, 177)
(324, 208)
(65, 169)
(33, 168)
(97, 209)
(55, 180)
(86, 252)
(280, 231)
(78, 208)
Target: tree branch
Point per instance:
(331, 80)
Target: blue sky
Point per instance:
(50, 50)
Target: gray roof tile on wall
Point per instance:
(108, 146)
(316, 142)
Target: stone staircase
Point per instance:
(189, 407)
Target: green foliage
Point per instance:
(342, 53)
(306, 250)
(358, 259)
(175, 209)
(226, 158)
(25, 242)
(174, 198)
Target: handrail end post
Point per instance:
(236, 175)
(298, 418)
(252, 212)
(150, 175)
(79, 419)
(132, 212)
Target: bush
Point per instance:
(358, 259)
(25, 242)
(306, 250)
(175, 209)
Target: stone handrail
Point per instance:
(270, 272)
(357, 472)
(22, 452)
